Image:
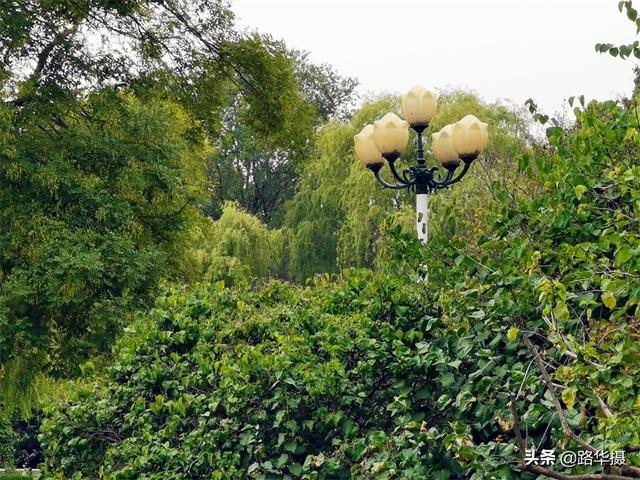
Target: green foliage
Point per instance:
(355, 379)
(7, 443)
(624, 51)
(95, 198)
(240, 247)
(182, 50)
(317, 216)
(385, 376)
(105, 112)
(322, 86)
(249, 169)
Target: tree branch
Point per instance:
(546, 471)
(562, 476)
(42, 59)
(552, 390)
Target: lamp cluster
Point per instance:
(387, 138)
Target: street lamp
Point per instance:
(387, 138)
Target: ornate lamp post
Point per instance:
(387, 138)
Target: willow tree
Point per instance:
(315, 213)
(238, 249)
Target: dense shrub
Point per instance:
(342, 379)
(7, 443)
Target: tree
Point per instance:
(239, 248)
(316, 214)
(184, 50)
(94, 202)
(107, 111)
(330, 93)
(247, 170)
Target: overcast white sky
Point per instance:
(502, 49)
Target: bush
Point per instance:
(347, 378)
(7, 444)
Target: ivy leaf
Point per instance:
(623, 255)
(561, 311)
(378, 438)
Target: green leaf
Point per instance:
(580, 189)
(455, 363)
(378, 438)
(295, 468)
(623, 255)
(512, 334)
(560, 311)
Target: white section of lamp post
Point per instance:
(422, 216)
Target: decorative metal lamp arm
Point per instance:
(401, 179)
(450, 180)
(384, 183)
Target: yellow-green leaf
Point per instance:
(561, 312)
(512, 334)
(569, 397)
(609, 300)
(580, 189)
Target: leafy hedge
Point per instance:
(356, 377)
(7, 443)
(381, 376)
